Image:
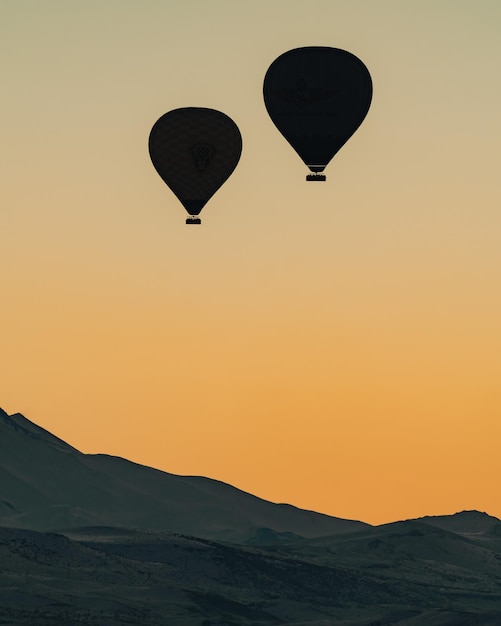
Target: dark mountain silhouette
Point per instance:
(49, 485)
(140, 546)
(465, 523)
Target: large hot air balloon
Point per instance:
(317, 97)
(195, 150)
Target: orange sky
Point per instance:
(336, 346)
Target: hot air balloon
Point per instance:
(195, 150)
(317, 97)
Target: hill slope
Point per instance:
(47, 485)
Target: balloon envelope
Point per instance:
(317, 97)
(195, 150)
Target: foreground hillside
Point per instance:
(109, 576)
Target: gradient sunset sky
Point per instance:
(335, 346)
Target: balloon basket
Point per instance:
(316, 177)
(193, 220)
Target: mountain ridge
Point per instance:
(101, 540)
(48, 485)
(19, 422)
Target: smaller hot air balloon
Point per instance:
(194, 150)
(317, 97)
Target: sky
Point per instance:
(335, 346)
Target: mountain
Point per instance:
(136, 545)
(47, 484)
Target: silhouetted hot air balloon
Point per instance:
(195, 150)
(317, 97)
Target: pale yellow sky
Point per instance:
(333, 346)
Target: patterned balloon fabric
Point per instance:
(195, 150)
